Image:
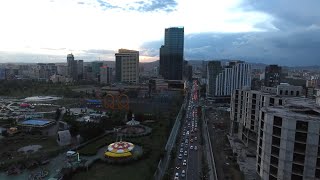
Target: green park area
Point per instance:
(143, 169)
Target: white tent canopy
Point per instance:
(133, 122)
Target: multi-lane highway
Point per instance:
(188, 157)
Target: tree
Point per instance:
(90, 130)
(58, 113)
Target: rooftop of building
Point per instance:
(127, 51)
(297, 107)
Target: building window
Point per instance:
(297, 169)
(275, 151)
(317, 173)
(262, 115)
(276, 131)
(271, 103)
(254, 96)
(299, 148)
(296, 177)
(297, 93)
(302, 126)
(277, 121)
(301, 137)
(286, 92)
(260, 152)
(273, 171)
(261, 124)
(260, 141)
(274, 161)
(261, 133)
(299, 158)
(280, 102)
(280, 92)
(275, 141)
(272, 177)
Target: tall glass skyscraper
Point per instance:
(171, 54)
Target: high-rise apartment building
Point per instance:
(213, 69)
(236, 75)
(289, 141)
(96, 65)
(80, 69)
(171, 54)
(105, 75)
(272, 76)
(127, 66)
(46, 70)
(75, 68)
(246, 105)
(282, 127)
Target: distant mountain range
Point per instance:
(198, 63)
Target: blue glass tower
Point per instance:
(171, 54)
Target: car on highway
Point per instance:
(181, 150)
(191, 140)
(196, 138)
(195, 147)
(191, 147)
(183, 173)
(180, 156)
(185, 153)
(184, 162)
(176, 176)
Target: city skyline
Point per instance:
(259, 31)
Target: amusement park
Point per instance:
(87, 138)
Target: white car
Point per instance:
(176, 176)
(185, 153)
(181, 150)
(195, 147)
(183, 173)
(191, 147)
(184, 162)
(180, 156)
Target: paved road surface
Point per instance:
(189, 133)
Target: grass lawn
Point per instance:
(15, 143)
(92, 148)
(139, 170)
(49, 146)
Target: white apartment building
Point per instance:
(127, 66)
(235, 76)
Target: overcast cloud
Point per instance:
(285, 32)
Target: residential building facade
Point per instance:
(213, 69)
(127, 66)
(272, 76)
(236, 75)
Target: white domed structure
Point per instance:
(133, 122)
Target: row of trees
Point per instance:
(30, 87)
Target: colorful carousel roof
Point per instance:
(119, 149)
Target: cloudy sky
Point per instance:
(285, 32)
